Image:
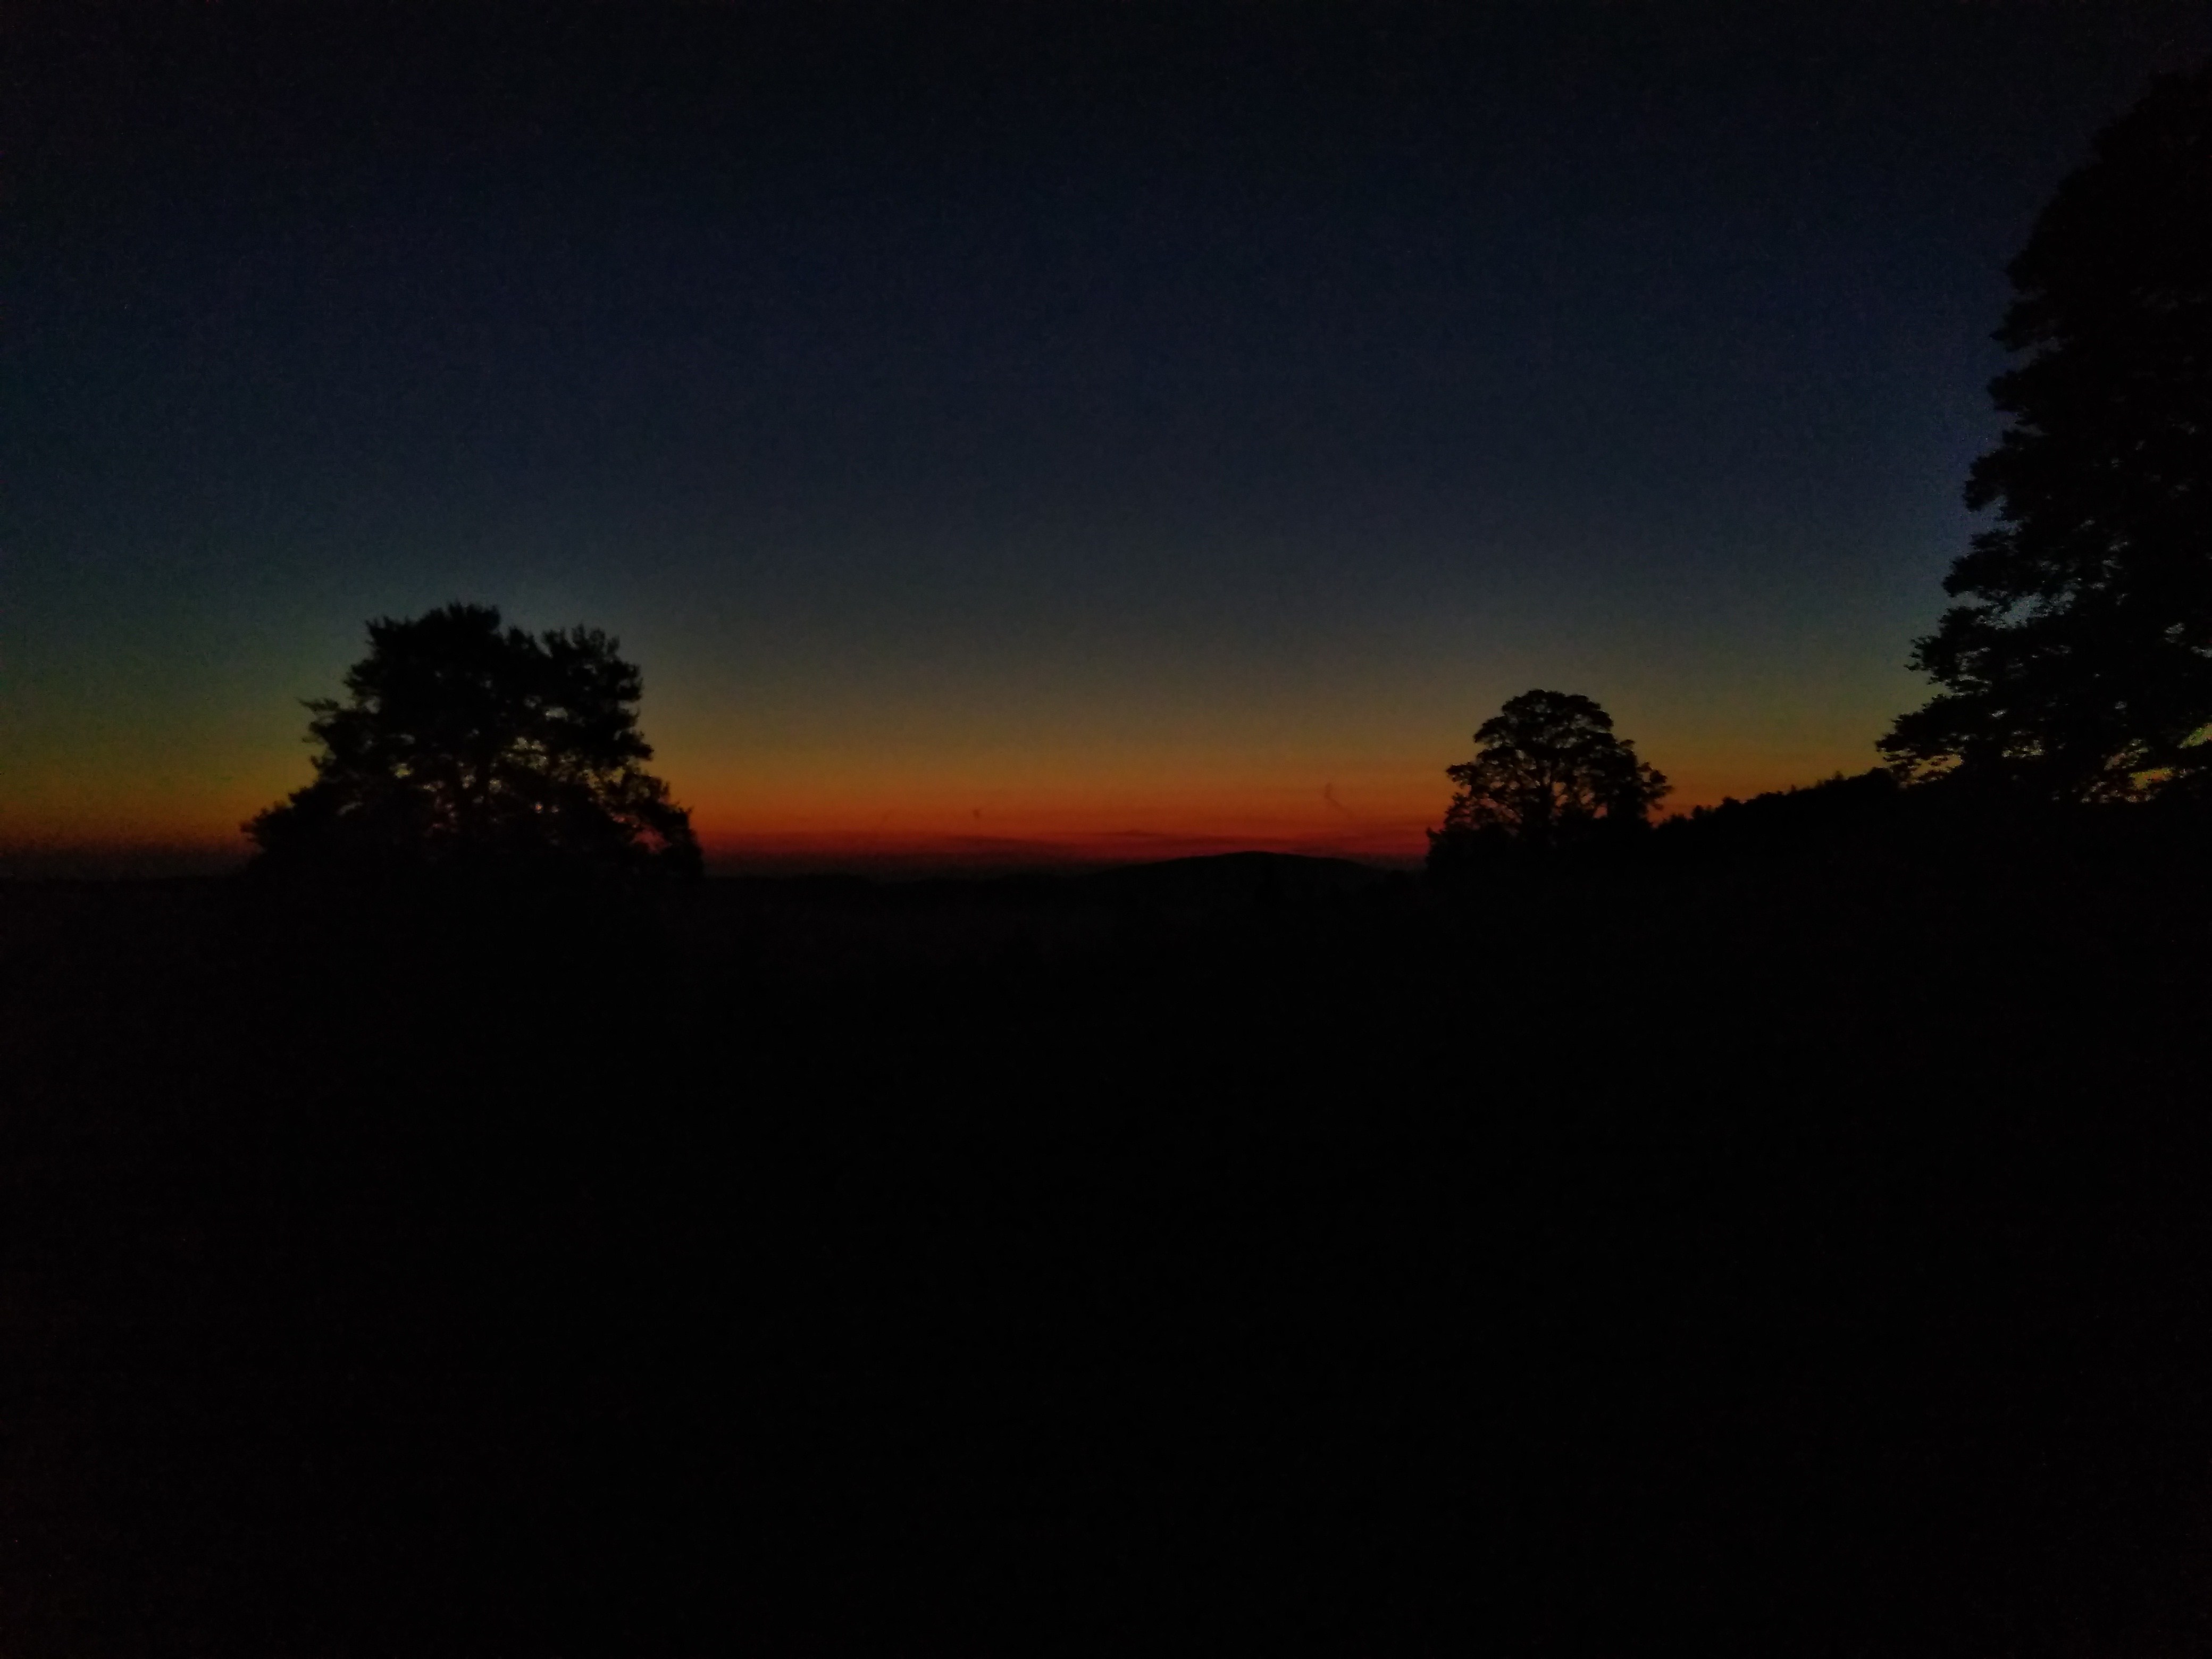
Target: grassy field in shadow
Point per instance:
(1795, 1248)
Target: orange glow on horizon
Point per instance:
(827, 808)
(1380, 814)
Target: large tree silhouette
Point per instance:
(2081, 663)
(1547, 771)
(462, 743)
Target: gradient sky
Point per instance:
(1010, 432)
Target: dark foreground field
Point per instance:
(1793, 1254)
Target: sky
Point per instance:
(1008, 434)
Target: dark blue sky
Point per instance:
(1047, 422)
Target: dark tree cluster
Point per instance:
(2079, 665)
(463, 744)
(2077, 669)
(1547, 773)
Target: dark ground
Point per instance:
(1779, 1254)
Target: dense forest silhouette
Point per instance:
(1776, 1229)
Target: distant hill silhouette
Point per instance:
(1231, 880)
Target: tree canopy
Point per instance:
(2080, 663)
(1547, 771)
(465, 742)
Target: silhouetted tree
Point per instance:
(463, 743)
(2080, 664)
(1548, 770)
